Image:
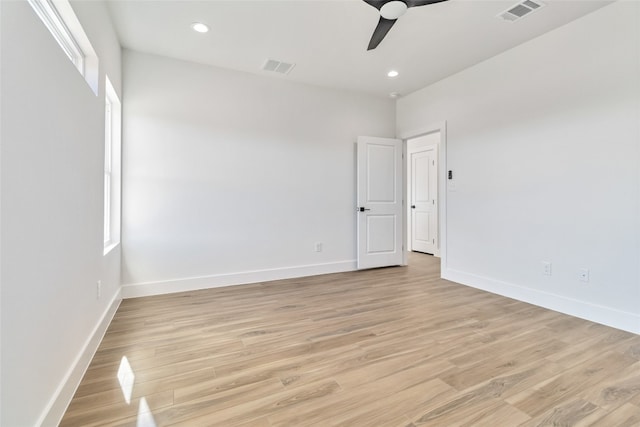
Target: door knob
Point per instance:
(362, 209)
(413, 206)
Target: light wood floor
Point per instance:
(388, 347)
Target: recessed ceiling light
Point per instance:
(394, 95)
(199, 27)
(392, 73)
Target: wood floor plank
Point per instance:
(245, 411)
(616, 391)
(397, 403)
(572, 382)
(502, 415)
(627, 415)
(392, 347)
(78, 416)
(576, 412)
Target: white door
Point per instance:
(423, 200)
(379, 208)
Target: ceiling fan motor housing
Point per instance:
(393, 9)
(390, 11)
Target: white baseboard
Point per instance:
(625, 321)
(135, 290)
(67, 388)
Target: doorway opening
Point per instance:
(422, 193)
(401, 198)
(424, 164)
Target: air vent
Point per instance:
(520, 10)
(277, 66)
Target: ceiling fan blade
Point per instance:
(383, 27)
(376, 3)
(414, 3)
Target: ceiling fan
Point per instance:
(390, 11)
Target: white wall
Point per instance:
(52, 134)
(231, 178)
(544, 143)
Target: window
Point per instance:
(59, 18)
(108, 170)
(112, 143)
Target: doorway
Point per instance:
(422, 173)
(386, 235)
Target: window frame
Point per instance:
(49, 15)
(63, 24)
(112, 172)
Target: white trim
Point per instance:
(406, 242)
(134, 290)
(58, 404)
(625, 321)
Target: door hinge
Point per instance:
(433, 241)
(433, 162)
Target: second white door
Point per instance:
(424, 200)
(379, 209)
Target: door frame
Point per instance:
(442, 186)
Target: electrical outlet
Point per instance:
(318, 246)
(98, 289)
(583, 274)
(546, 268)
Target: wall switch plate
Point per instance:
(318, 246)
(546, 268)
(583, 274)
(98, 289)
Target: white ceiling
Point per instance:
(327, 39)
